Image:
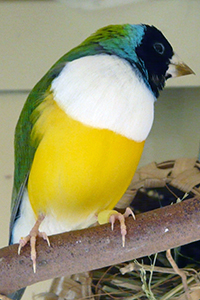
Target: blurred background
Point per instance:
(34, 34)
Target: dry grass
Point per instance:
(136, 280)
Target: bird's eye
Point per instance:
(159, 48)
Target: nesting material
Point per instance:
(149, 277)
(182, 173)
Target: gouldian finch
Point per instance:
(82, 130)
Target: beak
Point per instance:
(177, 68)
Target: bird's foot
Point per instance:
(34, 233)
(121, 217)
(113, 215)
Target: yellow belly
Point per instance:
(78, 170)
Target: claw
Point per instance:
(123, 241)
(34, 267)
(33, 252)
(23, 241)
(32, 238)
(45, 237)
(112, 221)
(19, 248)
(129, 212)
(121, 218)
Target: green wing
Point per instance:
(24, 148)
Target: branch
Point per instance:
(97, 247)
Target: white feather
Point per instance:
(104, 91)
(50, 225)
(25, 222)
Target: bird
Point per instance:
(81, 132)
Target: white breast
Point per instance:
(104, 91)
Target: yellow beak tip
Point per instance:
(178, 68)
(183, 69)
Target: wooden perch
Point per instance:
(97, 247)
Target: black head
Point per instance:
(154, 54)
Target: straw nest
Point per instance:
(156, 277)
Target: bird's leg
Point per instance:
(113, 215)
(32, 238)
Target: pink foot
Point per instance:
(32, 238)
(121, 218)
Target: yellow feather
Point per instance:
(77, 170)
